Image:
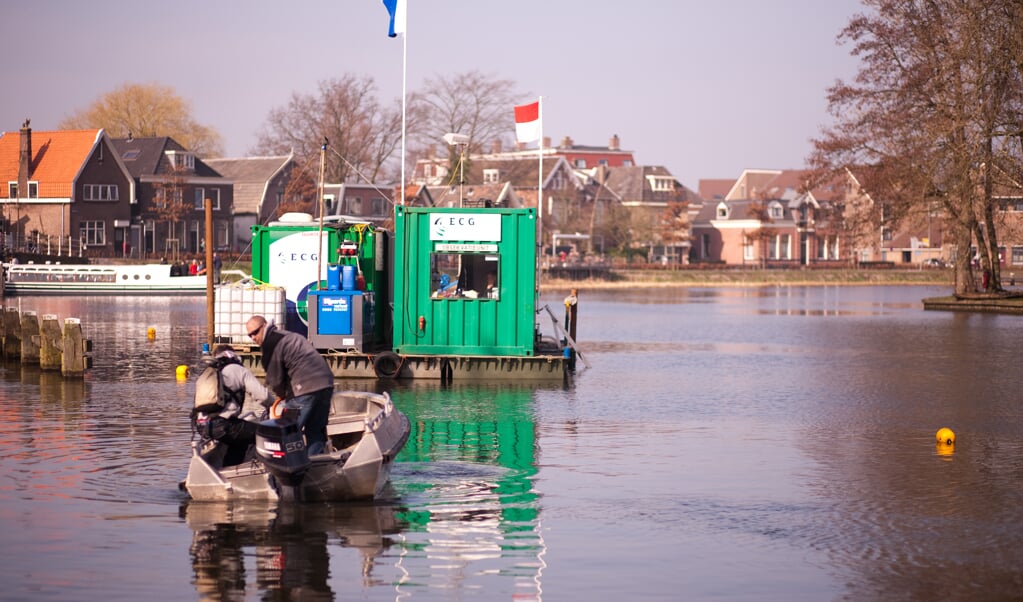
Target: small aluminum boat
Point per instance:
(364, 434)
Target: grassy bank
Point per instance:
(669, 278)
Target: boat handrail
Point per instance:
(374, 421)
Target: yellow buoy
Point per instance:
(151, 333)
(182, 372)
(945, 436)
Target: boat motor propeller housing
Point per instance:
(281, 448)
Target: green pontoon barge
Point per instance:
(457, 288)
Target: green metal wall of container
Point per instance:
(458, 325)
(297, 272)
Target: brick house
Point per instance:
(171, 186)
(65, 192)
(263, 187)
(772, 218)
(659, 210)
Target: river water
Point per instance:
(771, 443)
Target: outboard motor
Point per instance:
(281, 448)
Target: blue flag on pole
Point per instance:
(397, 11)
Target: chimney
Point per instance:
(567, 142)
(495, 146)
(546, 142)
(615, 144)
(25, 160)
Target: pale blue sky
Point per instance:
(705, 89)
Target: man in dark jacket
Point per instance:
(296, 372)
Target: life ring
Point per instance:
(387, 364)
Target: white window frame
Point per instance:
(33, 190)
(181, 160)
(100, 192)
(201, 194)
(93, 232)
(784, 247)
(221, 238)
(491, 176)
(661, 184)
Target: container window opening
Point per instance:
(464, 276)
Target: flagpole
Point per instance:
(404, 66)
(539, 194)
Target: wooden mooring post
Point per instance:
(49, 345)
(12, 333)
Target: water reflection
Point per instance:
(466, 476)
(253, 551)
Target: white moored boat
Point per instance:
(61, 279)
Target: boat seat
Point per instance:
(352, 422)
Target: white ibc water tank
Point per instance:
(236, 303)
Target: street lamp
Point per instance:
(459, 141)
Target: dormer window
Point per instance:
(661, 184)
(491, 176)
(722, 211)
(181, 160)
(776, 210)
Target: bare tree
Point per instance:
(473, 104)
(171, 206)
(299, 194)
(363, 137)
(934, 112)
(146, 110)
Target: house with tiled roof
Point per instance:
(264, 188)
(779, 217)
(658, 207)
(64, 192)
(172, 185)
(475, 195)
(767, 217)
(714, 189)
(567, 205)
(359, 202)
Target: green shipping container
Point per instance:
(465, 281)
(287, 254)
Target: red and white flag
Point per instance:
(527, 122)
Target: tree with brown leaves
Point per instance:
(147, 110)
(933, 115)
